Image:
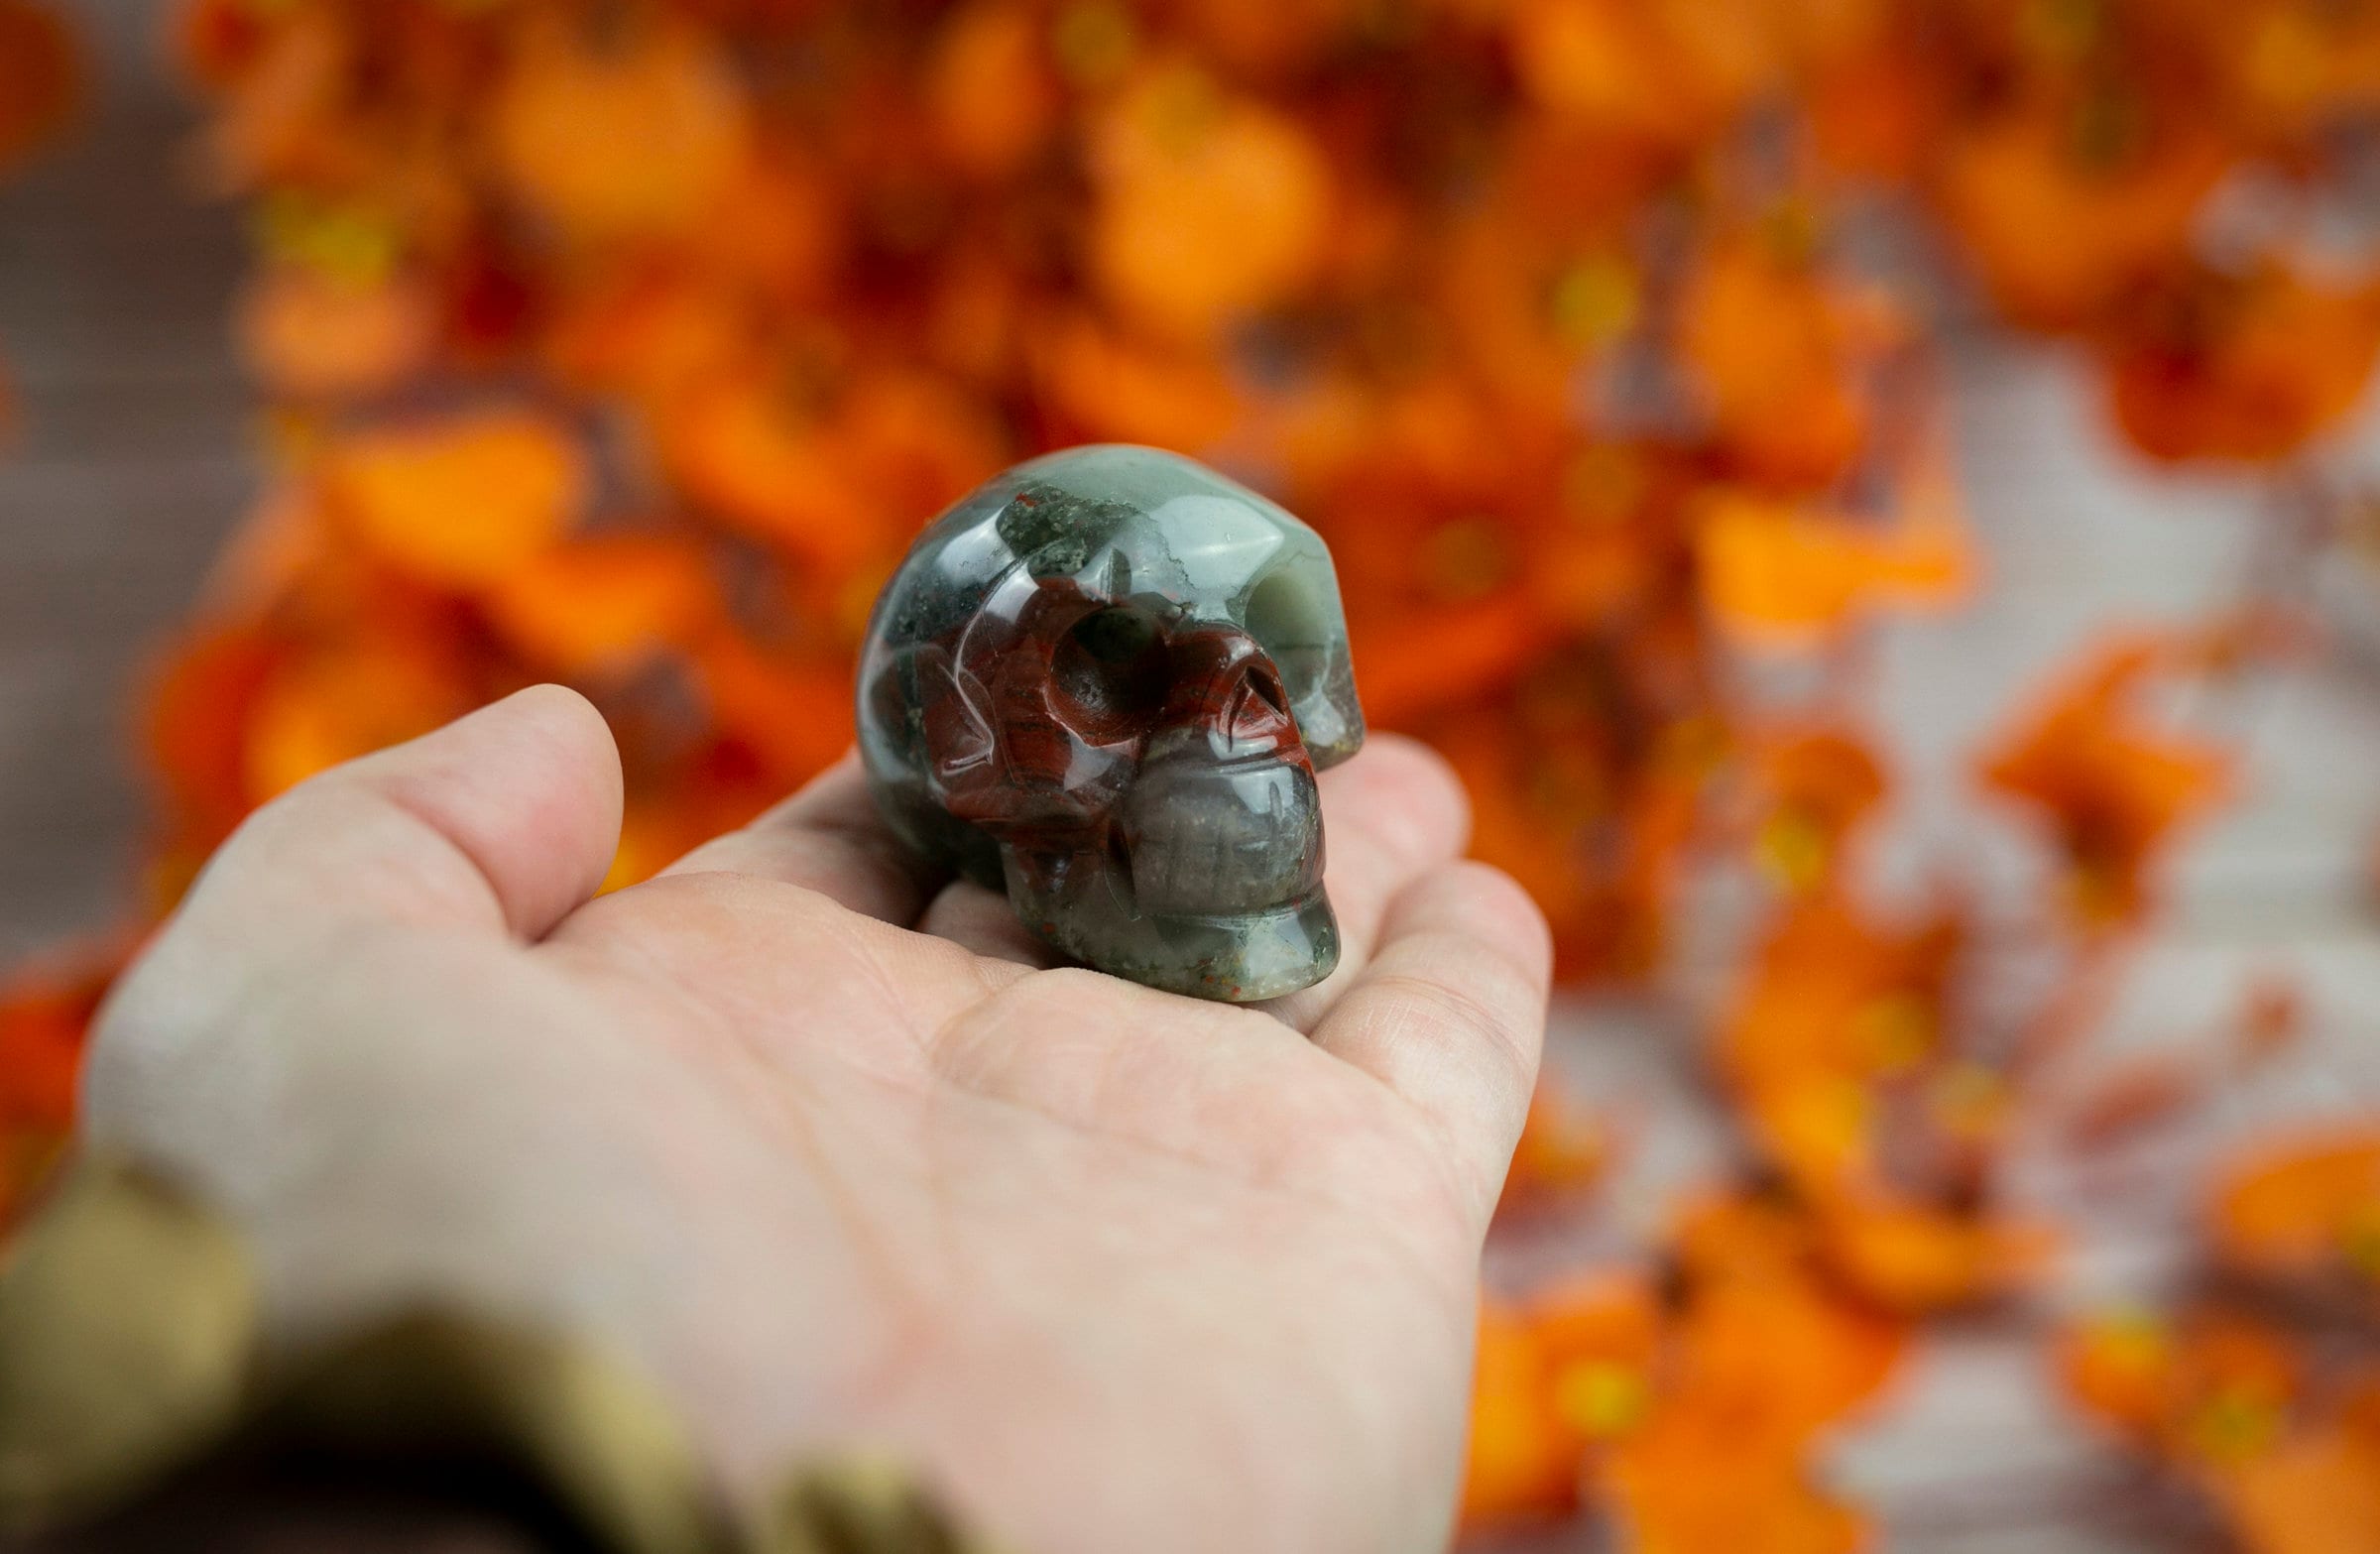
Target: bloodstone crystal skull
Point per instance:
(1103, 682)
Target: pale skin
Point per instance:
(826, 1151)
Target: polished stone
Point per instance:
(1102, 683)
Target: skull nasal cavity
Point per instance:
(1258, 710)
(1110, 673)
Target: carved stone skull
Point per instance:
(1103, 682)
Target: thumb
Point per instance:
(496, 825)
(503, 820)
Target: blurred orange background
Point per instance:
(1874, 496)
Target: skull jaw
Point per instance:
(1233, 957)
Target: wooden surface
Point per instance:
(129, 464)
(125, 466)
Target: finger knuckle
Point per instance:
(1453, 1006)
(1507, 918)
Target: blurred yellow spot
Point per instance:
(1792, 850)
(1600, 1399)
(1692, 744)
(2061, 30)
(2108, 128)
(2101, 891)
(1791, 229)
(2359, 1238)
(1970, 1098)
(1819, 1125)
(1093, 41)
(2132, 1337)
(338, 242)
(1467, 558)
(1896, 1031)
(1593, 301)
(2286, 57)
(2233, 1424)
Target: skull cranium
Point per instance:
(1103, 682)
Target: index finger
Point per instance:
(1451, 1013)
(1389, 816)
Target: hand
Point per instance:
(1119, 1270)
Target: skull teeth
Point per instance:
(1222, 839)
(1121, 877)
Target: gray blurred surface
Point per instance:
(1972, 1450)
(125, 468)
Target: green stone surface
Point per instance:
(1102, 683)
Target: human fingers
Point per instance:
(1389, 815)
(1450, 1014)
(505, 819)
(495, 826)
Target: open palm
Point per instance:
(831, 1153)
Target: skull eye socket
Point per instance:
(1289, 622)
(1109, 672)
